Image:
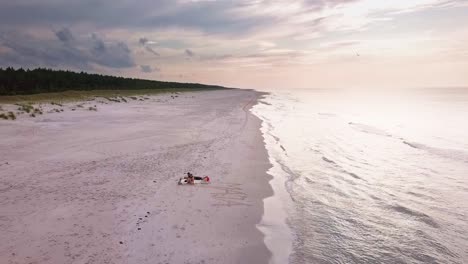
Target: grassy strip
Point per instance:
(74, 96)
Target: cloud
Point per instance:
(340, 44)
(64, 35)
(215, 57)
(122, 13)
(146, 68)
(299, 20)
(220, 17)
(26, 50)
(149, 49)
(98, 44)
(220, 35)
(143, 41)
(146, 43)
(113, 54)
(189, 53)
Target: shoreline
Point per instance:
(278, 234)
(86, 186)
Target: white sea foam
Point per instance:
(278, 236)
(366, 178)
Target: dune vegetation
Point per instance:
(40, 85)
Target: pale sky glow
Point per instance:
(248, 43)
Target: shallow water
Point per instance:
(370, 177)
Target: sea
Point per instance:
(366, 176)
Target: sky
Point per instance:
(258, 44)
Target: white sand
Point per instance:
(75, 184)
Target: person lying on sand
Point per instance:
(190, 179)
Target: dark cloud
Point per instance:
(208, 16)
(24, 50)
(143, 41)
(221, 16)
(189, 53)
(64, 35)
(113, 54)
(146, 68)
(98, 45)
(230, 18)
(146, 43)
(101, 13)
(27, 51)
(218, 17)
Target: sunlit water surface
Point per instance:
(371, 177)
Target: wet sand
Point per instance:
(101, 186)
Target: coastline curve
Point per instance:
(278, 236)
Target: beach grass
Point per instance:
(9, 115)
(74, 96)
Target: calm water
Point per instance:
(366, 177)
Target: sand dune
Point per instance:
(100, 186)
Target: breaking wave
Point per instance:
(453, 154)
(369, 129)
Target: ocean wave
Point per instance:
(328, 160)
(308, 180)
(292, 175)
(355, 176)
(452, 154)
(420, 195)
(415, 215)
(436, 246)
(314, 150)
(340, 169)
(369, 129)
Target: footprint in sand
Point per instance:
(230, 194)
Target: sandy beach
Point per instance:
(101, 186)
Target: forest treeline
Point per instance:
(23, 82)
